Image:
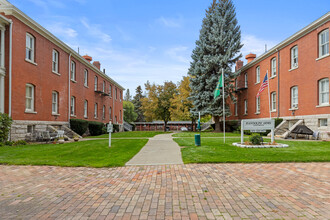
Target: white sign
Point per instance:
(258, 124)
(110, 128)
(258, 131)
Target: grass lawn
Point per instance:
(214, 151)
(206, 134)
(130, 134)
(95, 153)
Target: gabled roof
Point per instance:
(10, 9)
(314, 25)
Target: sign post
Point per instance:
(109, 129)
(257, 125)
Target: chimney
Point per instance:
(239, 65)
(250, 57)
(88, 58)
(97, 64)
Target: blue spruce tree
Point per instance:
(218, 47)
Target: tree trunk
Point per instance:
(193, 124)
(217, 124)
(165, 125)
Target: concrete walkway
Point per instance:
(159, 150)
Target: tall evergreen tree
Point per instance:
(128, 96)
(138, 104)
(218, 47)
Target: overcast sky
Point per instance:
(140, 40)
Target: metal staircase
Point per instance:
(284, 129)
(127, 126)
(206, 125)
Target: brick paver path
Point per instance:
(209, 191)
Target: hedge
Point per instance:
(79, 126)
(95, 128)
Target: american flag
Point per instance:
(263, 85)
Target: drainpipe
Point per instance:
(10, 63)
(69, 90)
(278, 82)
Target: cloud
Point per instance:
(180, 54)
(253, 44)
(62, 30)
(170, 22)
(95, 30)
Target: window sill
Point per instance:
(74, 81)
(55, 114)
(294, 68)
(272, 77)
(245, 114)
(256, 83)
(272, 111)
(322, 57)
(30, 112)
(75, 116)
(257, 113)
(86, 86)
(322, 105)
(293, 109)
(30, 61)
(86, 117)
(56, 73)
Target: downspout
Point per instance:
(69, 90)
(10, 64)
(278, 83)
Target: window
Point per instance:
(103, 87)
(120, 95)
(55, 61)
(115, 119)
(324, 43)
(30, 41)
(294, 97)
(120, 118)
(73, 71)
(273, 67)
(95, 83)
(294, 57)
(273, 101)
(110, 89)
(110, 113)
(31, 128)
(73, 103)
(95, 110)
(236, 109)
(257, 104)
(245, 80)
(86, 109)
(236, 84)
(258, 74)
(245, 107)
(103, 112)
(323, 122)
(55, 102)
(324, 91)
(116, 93)
(29, 98)
(85, 78)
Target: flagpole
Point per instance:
(270, 114)
(223, 104)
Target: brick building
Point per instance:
(43, 82)
(299, 71)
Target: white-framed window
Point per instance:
(29, 97)
(236, 109)
(110, 113)
(116, 93)
(86, 109)
(323, 122)
(324, 43)
(236, 84)
(294, 57)
(103, 86)
(115, 119)
(273, 101)
(120, 116)
(245, 80)
(73, 70)
(258, 74)
(273, 67)
(120, 95)
(257, 104)
(294, 97)
(30, 46)
(55, 61)
(245, 107)
(95, 83)
(103, 112)
(85, 77)
(110, 90)
(95, 110)
(73, 105)
(324, 91)
(55, 102)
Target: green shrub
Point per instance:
(9, 143)
(95, 128)
(104, 130)
(19, 142)
(5, 123)
(115, 128)
(79, 126)
(255, 139)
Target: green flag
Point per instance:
(217, 89)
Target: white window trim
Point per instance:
(85, 77)
(236, 110)
(55, 111)
(273, 67)
(323, 92)
(95, 83)
(245, 107)
(86, 109)
(257, 105)
(110, 90)
(31, 99)
(73, 71)
(294, 105)
(258, 74)
(294, 65)
(103, 112)
(110, 113)
(95, 110)
(73, 106)
(30, 48)
(245, 80)
(55, 58)
(103, 86)
(326, 31)
(323, 119)
(273, 100)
